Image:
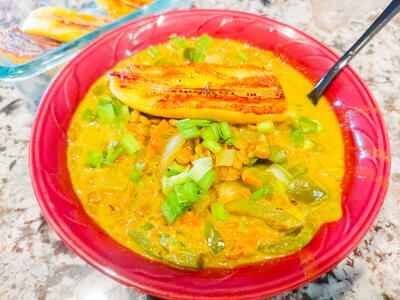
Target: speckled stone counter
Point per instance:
(35, 264)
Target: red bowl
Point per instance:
(366, 148)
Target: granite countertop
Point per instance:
(35, 264)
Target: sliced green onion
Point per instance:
(168, 183)
(209, 134)
(200, 168)
(230, 141)
(170, 210)
(94, 159)
(186, 194)
(202, 122)
(187, 128)
(277, 154)
(105, 112)
(130, 144)
(153, 52)
(213, 146)
(204, 42)
(306, 125)
(218, 211)
(298, 137)
(280, 173)
(266, 126)
(88, 115)
(137, 173)
(261, 192)
(242, 56)
(207, 181)
(178, 41)
(224, 130)
(176, 167)
(171, 173)
(193, 55)
(112, 154)
(308, 145)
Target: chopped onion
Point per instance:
(172, 148)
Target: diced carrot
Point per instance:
(190, 219)
(251, 179)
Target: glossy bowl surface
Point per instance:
(365, 182)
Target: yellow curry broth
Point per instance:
(118, 205)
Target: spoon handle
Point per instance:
(390, 11)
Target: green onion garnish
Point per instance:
(153, 52)
(105, 112)
(200, 167)
(277, 155)
(187, 128)
(230, 141)
(218, 211)
(88, 115)
(266, 126)
(170, 210)
(186, 193)
(178, 41)
(204, 42)
(94, 159)
(137, 173)
(210, 133)
(130, 144)
(306, 125)
(201, 122)
(193, 55)
(112, 154)
(297, 137)
(213, 146)
(261, 192)
(242, 56)
(308, 145)
(207, 181)
(224, 130)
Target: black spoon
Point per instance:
(384, 18)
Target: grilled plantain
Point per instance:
(119, 8)
(238, 94)
(62, 24)
(20, 47)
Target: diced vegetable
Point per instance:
(266, 126)
(297, 137)
(273, 216)
(230, 141)
(218, 211)
(306, 125)
(280, 173)
(261, 192)
(213, 146)
(210, 133)
(207, 181)
(176, 167)
(130, 144)
(137, 173)
(200, 167)
(277, 154)
(193, 55)
(202, 122)
(186, 192)
(184, 259)
(289, 243)
(213, 238)
(224, 130)
(88, 115)
(298, 170)
(168, 183)
(242, 56)
(143, 242)
(204, 42)
(112, 154)
(105, 112)
(305, 191)
(308, 145)
(153, 52)
(94, 159)
(174, 145)
(178, 41)
(225, 158)
(170, 210)
(187, 128)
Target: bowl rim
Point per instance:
(82, 253)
